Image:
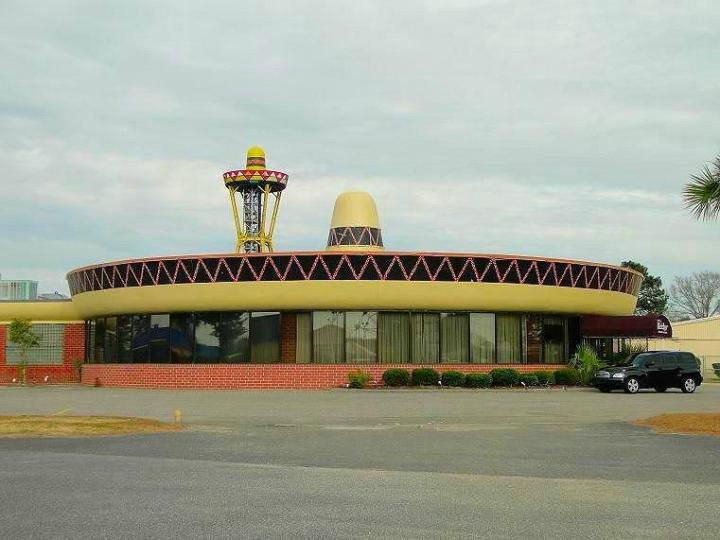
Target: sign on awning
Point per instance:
(634, 326)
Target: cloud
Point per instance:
(566, 129)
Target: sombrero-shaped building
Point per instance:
(264, 318)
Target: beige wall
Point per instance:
(39, 311)
(700, 337)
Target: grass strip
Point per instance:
(79, 426)
(692, 423)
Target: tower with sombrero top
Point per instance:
(259, 188)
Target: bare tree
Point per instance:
(696, 296)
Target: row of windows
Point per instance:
(330, 337)
(51, 338)
(430, 338)
(179, 338)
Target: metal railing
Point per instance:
(706, 366)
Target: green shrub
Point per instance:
(567, 376)
(544, 377)
(358, 378)
(396, 377)
(586, 362)
(478, 380)
(453, 378)
(530, 379)
(505, 377)
(424, 377)
(20, 332)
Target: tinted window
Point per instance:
(664, 360)
(361, 337)
(688, 360)
(509, 339)
(140, 338)
(265, 338)
(124, 331)
(653, 360)
(425, 336)
(454, 338)
(328, 337)
(553, 340)
(99, 351)
(303, 338)
(641, 360)
(111, 340)
(159, 345)
(394, 337)
(638, 360)
(482, 338)
(181, 338)
(533, 327)
(222, 337)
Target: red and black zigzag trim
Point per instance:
(321, 266)
(355, 236)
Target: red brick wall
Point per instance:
(3, 337)
(73, 349)
(74, 343)
(234, 376)
(57, 374)
(288, 335)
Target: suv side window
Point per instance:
(641, 360)
(652, 360)
(687, 360)
(669, 360)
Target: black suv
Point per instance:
(655, 369)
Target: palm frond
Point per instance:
(702, 195)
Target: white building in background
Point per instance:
(18, 289)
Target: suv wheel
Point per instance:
(688, 385)
(660, 388)
(632, 386)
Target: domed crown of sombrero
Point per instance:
(355, 224)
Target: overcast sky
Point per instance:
(564, 129)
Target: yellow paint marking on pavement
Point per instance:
(61, 412)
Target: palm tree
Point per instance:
(702, 195)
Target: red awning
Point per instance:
(640, 326)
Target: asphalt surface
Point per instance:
(344, 463)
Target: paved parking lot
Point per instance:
(404, 463)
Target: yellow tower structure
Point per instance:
(258, 188)
(355, 225)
